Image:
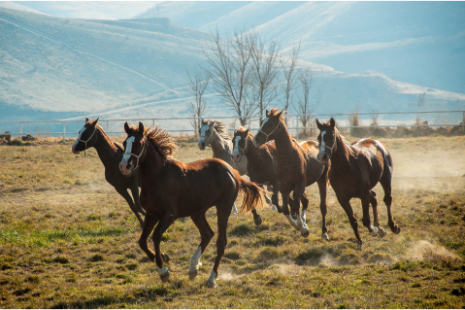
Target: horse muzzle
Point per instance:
(202, 146)
(236, 156)
(73, 149)
(123, 167)
(258, 141)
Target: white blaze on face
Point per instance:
(126, 157)
(323, 144)
(236, 146)
(264, 122)
(79, 136)
(202, 133)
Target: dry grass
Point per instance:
(67, 240)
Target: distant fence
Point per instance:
(181, 126)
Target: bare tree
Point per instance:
(304, 107)
(229, 72)
(263, 72)
(289, 70)
(198, 85)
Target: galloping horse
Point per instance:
(355, 170)
(92, 135)
(172, 189)
(297, 167)
(215, 134)
(260, 162)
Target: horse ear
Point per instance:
(126, 127)
(141, 128)
(318, 124)
(203, 122)
(94, 123)
(332, 122)
(247, 132)
(87, 119)
(280, 113)
(267, 113)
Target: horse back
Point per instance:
(378, 156)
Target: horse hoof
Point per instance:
(360, 246)
(381, 232)
(305, 233)
(258, 220)
(279, 208)
(193, 274)
(398, 230)
(211, 283)
(166, 258)
(325, 236)
(165, 276)
(294, 216)
(273, 208)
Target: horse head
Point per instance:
(86, 136)
(326, 140)
(134, 147)
(269, 127)
(205, 133)
(239, 143)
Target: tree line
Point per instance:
(248, 75)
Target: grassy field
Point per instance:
(68, 240)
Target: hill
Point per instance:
(55, 68)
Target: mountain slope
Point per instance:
(409, 41)
(56, 68)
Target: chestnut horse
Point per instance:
(297, 167)
(172, 189)
(260, 162)
(215, 134)
(92, 135)
(355, 170)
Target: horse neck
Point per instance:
(106, 149)
(152, 165)
(251, 152)
(221, 147)
(340, 153)
(283, 141)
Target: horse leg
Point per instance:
(285, 209)
(124, 192)
(234, 210)
(256, 217)
(374, 207)
(147, 228)
(206, 234)
(135, 195)
(299, 196)
(353, 221)
(274, 197)
(322, 187)
(304, 200)
(223, 217)
(386, 184)
(267, 198)
(162, 226)
(366, 213)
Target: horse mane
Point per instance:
(161, 140)
(105, 136)
(220, 128)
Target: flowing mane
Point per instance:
(220, 128)
(161, 140)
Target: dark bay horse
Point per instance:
(215, 134)
(297, 167)
(355, 170)
(172, 189)
(261, 160)
(92, 135)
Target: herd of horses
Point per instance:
(170, 189)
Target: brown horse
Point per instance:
(260, 160)
(297, 167)
(215, 134)
(355, 170)
(92, 135)
(172, 189)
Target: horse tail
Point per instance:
(252, 194)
